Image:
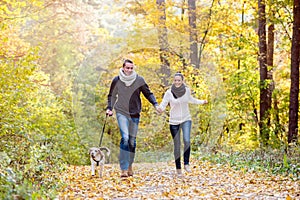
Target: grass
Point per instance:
(273, 161)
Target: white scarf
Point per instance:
(128, 80)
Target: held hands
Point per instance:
(158, 110)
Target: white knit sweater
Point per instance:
(179, 111)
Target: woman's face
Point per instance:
(177, 81)
(128, 69)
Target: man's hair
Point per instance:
(127, 61)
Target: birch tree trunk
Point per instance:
(163, 43)
(193, 33)
(270, 64)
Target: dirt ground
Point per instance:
(159, 181)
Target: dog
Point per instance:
(97, 157)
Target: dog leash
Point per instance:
(101, 137)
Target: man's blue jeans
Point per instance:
(175, 131)
(128, 128)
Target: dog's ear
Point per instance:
(105, 149)
(90, 151)
(101, 153)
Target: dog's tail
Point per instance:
(105, 149)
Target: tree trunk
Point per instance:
(294, 90)
(202, 42)
(182, 49)
(278, 127)
(193, 33)
(263, 72)
(275, 114)
(165, 72)
(270, 64)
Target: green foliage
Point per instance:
(275, 161)
(33, 131)
(29, 168)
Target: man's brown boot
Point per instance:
(124, 173)
(130, 171)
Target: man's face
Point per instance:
(128, 69)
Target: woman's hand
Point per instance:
(158, 109)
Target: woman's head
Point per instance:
(178, 79)
(128, 67)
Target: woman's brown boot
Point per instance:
(130, 171)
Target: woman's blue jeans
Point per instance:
(175, 131)
(128, 128)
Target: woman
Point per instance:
(124, 97)
(179, 96)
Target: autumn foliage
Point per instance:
(57, 60)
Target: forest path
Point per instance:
(159, 181)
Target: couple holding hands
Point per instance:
(124, 97)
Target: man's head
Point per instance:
(128, 67)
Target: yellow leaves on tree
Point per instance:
(11, 46)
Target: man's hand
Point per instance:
(109, 112)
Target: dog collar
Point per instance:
(97, 161)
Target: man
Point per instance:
(124, 97)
